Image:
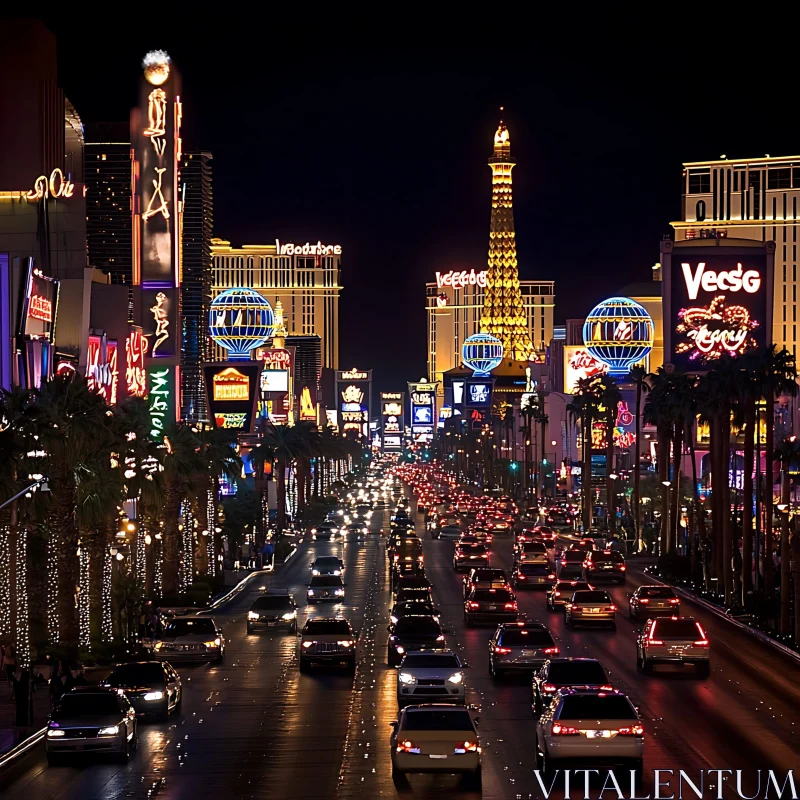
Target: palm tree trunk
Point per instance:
(63, 525)
(637, 493)
(675, 487)
(586, 472)
(727, 526)
(663, 476)
(786, 556)
(699, 529)
(95, 541)
(766, 496)
(794, 540)
(200, 547)
(747, 498)
(611, 498)
(717, 481)
(171, 543)
(281, 468)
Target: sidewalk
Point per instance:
(10, 734)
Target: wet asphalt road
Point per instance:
(253, 727)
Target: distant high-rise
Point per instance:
(503, 311)
(196, 269)
(108, 200)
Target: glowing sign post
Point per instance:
(161, 399)
(354, 401)
(233, 393)
(392, 427)
(619, 333)
(481, 353)
(240, 320)
(717, 300)
(423, 408)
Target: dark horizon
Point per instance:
(382, 148)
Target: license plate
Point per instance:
(492, 608)
(79, 746)
(435, 755)
(271, 624)
(594, 610)
(598, 734)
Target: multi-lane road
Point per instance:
(254, 727)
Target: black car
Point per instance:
(411, 585)
(273, 611)
(413, 608)
(153, 687)
(563, 673)
(604, 565)
(413, 633)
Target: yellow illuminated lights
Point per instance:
(156, 67)
(162, 208)
(56, 186)
(157, 120)
(160, 313)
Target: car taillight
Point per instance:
(556, 594)
(397, 558)
(701, 643)
(466, 747)
(621, 567)
(503, 651)
(611, 608)
(673, 601)
(563, 730)
(632, 730)
(654, 641)
(521, 577)
(551, 576)
(511, 606)
(473, 604)
(484, 555)
(548, 687)
(644, 600)
(407, 747)
(551, 651)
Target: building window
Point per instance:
(779, 178)
(700, 182)
(700, 210)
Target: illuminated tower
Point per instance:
(503, 311)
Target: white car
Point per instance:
(590, 725)
(430, 678)
(190, 639)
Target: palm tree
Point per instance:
(308, 436)
(70, 423)
(610, 398)
(288, 444)
(182, 462)
(585, 407)
(637, 376)
(787, 455)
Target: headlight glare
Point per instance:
(406, 677)
(154, 696)
(111, 730)
(456, 677)
(52, 733)
(252, 615)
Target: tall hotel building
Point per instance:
(305, 278)
(750, 198)
(454, 305)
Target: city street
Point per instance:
(254, 727)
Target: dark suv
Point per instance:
(604, 565)
(272, 611)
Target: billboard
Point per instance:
(478, 393)
(161, 398)
(102, 367)
(718, 300)
(276, 383)
(39, 302)
(422, 398)
(392, 421)
(275, 380)
(354, 398)
(580, 363)
(232, 393)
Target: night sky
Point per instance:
(374, 134)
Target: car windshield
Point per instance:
(488, 575)
(610, 706)
(438, 720)
(607, 557)
(573, 556)
(136, 675)
(414, 625)
(492, 595)
(409, 546)
(83, 704)
(466, 547)
(414, 595)
(327, 561)
(533, 547)
(276, 603)
(327, 627)
(326, 580)
(576, 673)
(591, 597)
(184, 627)
(676, 629)
(414, 583)
(431, 662)
(656, 592)
(571, 586)
(522, 637)
(534, 569)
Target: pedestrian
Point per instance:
(58, 680)
(10, 662)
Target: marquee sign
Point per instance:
(392, 420)
(307, 249)
(353, 375)
(39, 301)
(458, 280)
(232, 393)
(719, 295)
(580, 363)
(423, 407)
(354, 393)
(230, 384)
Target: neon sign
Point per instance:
(352, 394)
(723, 281)
(157, 118)
(161, 398)
(160, 312)
(715, 330)
(102, 373)
(56, 186)
(461, 279)
(354, 375)
(230, 384)
(157, 195)
(275, 358)
(135, 375)
(392, 408)
(308, 249)
(307, 408)
(228, 420)
(40, 308)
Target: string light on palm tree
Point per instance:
(106, 631)
(84, 627)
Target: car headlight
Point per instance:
(406, 677)
(252, 615)
(289, 615)
(400, 649)
(213, 643)
(337, 572)
(345, 643)
(310, 593)
(52, 733)
(339, 592)
(307, 644)
(154, 696)
(315, 572)
(440, 638)
(456, 677)
(111, 730)
(393, 619)
(158, 645)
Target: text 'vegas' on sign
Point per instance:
(458, 279)
(723, 281)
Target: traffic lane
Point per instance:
(232, 713)
(720, 717)
(367, 767)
